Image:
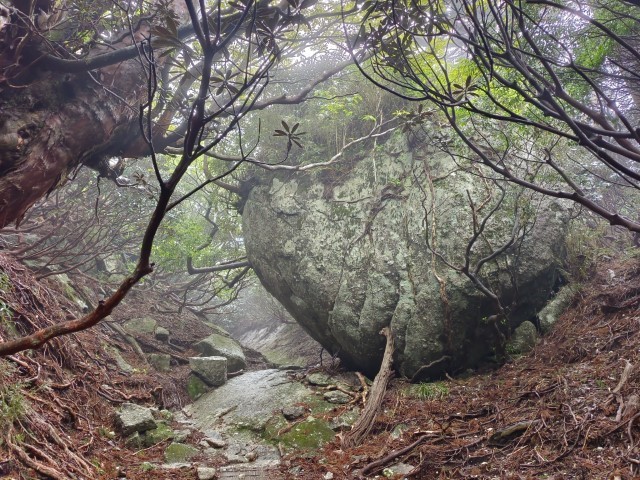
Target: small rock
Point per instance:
(328, 476)
(162, 334)
(523, 339)
(251, 456)
(213, 442)
(179, 453)
(131, 418)
(319, 379)
(160, 361)
(398, 469)
(293, 412)
(206, 473)
(231, 458)
(181, 435)
(398, 430)
(336, 396)
(138, 326)
(346, 420)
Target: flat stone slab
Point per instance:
(247, 400)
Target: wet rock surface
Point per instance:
(351, 254)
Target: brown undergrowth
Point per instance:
(568, 410)
(57, 403)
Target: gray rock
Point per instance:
(336, 396)
(120, 361)
(247, 401)
(346, 420)
(160, 361)
(293, 412)
(206, 473)
(549, 315)
(398, 469)
(346, 253)
(162, 334)
(232, 459)
(214, 442)
(131, 418)
(216, 345)
(196, 387)
(319, 379)
(140, 326)
(179, 453)
(523, 339)
(213, 370)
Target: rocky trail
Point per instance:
(94, 405)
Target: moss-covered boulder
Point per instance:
(356, 248)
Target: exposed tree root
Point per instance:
(365, 421)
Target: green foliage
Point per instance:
(585, 248)
(12, 403)
(429, 391)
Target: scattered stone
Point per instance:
(181, 435)
(252, 456)
(162, 334)
(336, 396)
(219, 345)
(213, 370)
(179, 453)
(213, 442)
(147, 466)
(397, 469)
(319, 379)
(160, 433)
(166, 414)
(523, 339)
(196, 387)
(346, 420)
(552, 311)
(131, 418)
(140, 326)
(206, 473)
(233, 459)
(398, 431)
(328, 476)
(159, 361)
(293, 412)
(120, 361)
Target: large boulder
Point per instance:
(353, 249)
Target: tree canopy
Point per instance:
(542, 94)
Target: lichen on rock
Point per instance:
(352, 253)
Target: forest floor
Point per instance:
(570, 409)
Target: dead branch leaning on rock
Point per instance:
(365, 421)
